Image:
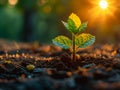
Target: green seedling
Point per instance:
(75, 26)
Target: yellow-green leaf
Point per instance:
(63, 42)
(73, 23)
(84, 40)
(75, 19)
(83, 27)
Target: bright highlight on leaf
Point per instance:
(75, 26)
(103, 4)
(75, 19)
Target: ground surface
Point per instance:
(96, 68)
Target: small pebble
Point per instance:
(30, 67)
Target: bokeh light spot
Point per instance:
(12, 2)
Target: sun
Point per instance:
(103, 4)
(102, 10)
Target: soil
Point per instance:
(96, 68)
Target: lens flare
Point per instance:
(103, 4)
(102, 10)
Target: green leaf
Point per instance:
(71, 26)
(62, 41)
(65, 24)
(82, 27)
(84, 40)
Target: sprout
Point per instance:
(75, 26)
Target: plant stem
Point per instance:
(73, 46)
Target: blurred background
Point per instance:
(40, 20)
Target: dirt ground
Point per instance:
(97, 67)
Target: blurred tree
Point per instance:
(48, 7)
(45, 12)
(28, 7)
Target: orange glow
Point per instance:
(102, 9)
(12, 2)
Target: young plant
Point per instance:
(75, 26)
